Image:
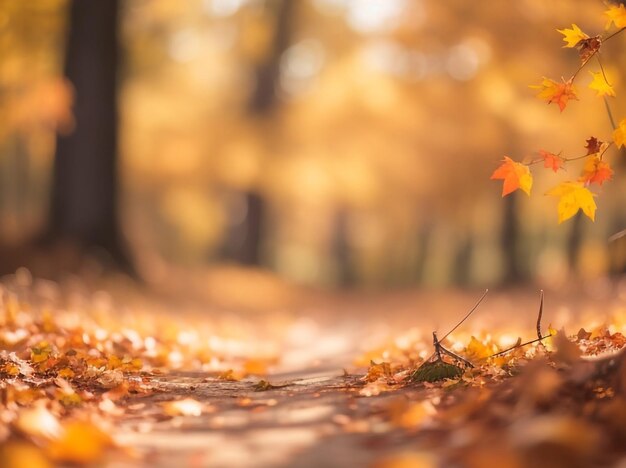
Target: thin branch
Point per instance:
(576, 158)
(582, 65)
(617, 235)
(456, 356)
(519, 346)
(610, 114)
(614, 34)
(539, 334)
(467, 315)
(602, 70)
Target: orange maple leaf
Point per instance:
(596, 171)
(551, 160)
(515, 175)
(555, 92)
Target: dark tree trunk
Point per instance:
(85, 185)
(248, 238)
(510, 241)
(574, 242)
(347, 276)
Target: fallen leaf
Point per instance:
(185, 407)
(566, 351)
(38, 421)
(80, 442)
(435, 371)
(22, 455)
(376, 371)
(478, 350)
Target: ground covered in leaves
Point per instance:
(89, 377)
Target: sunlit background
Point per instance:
(333, 142)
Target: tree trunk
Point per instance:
(262, 103)
(510, 241)
(85, 185)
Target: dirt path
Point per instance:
(319, 415)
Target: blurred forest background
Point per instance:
(333, 142)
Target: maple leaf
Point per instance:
(573, 196)
(515, 175)
(594, 145)
(551, 160)
(619, 135)
(572, 36)
(555, 92)
(588, 47)
(596, 170)
(601, 85)
(616, 15)
(80, 442)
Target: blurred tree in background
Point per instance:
(85, 181)
(331, 141)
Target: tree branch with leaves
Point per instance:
(574, 195)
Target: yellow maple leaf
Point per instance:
(616, 15)
(555, 92)
(601, 85)
(619, 135)
(573, 196)
(572, 36)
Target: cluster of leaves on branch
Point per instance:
(574, 195)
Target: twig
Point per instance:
(520, 345)
(467, 315)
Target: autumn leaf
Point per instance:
(515, 175)
(601, 85)
(18, 454)
(551, 160)
(594, 145)
(588, 47)
(66, 373)
(478, 350)
(596, 171)
(41, 352)
(573, 196)
(557, 93)
(619, 135)
(80, 442)
(435, 371)
(184, 407)
(616, 15)
(572, 36)
(377, 371)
